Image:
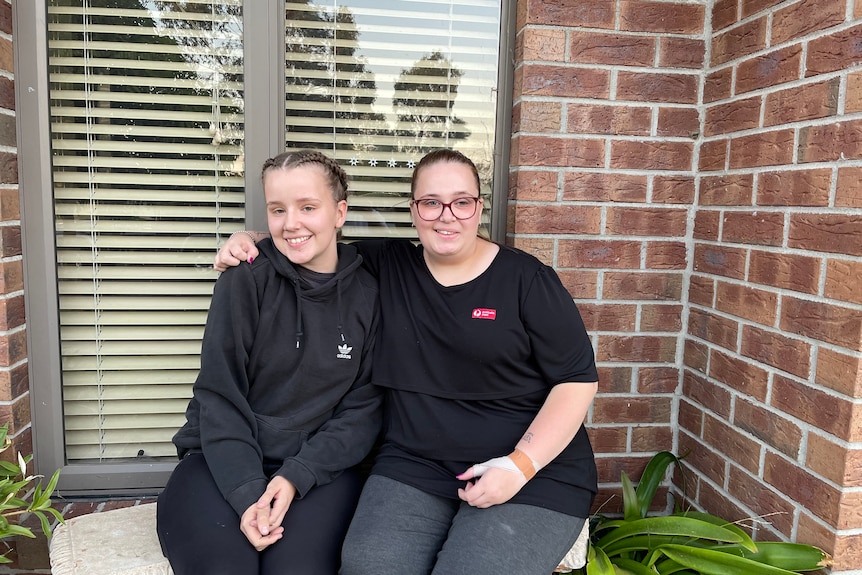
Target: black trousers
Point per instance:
(199, 531)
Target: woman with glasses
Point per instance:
(485, 466)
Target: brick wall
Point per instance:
(603, 182)
(772, 384)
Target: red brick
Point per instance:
(10, 206)
(707, 394)
(800, 103)
(701, 290)
(713, 328)
(681, 53)
(656, 87)
(707, 225)
(13, 349)
(785, 271)
(542, 80)
(724, 13)
(849, 193)
(559, 219)
(608, 317)
(618, 120)
(842, 280)
(6, 18)
(703, 458)
(847, 551)
(616, 379)
(822, 321)
(747, 302)
(834, 233)
(11, 276)
(642, 286)
(714, 155)
(801, 18)
(717, 85)
(720, 260)
(604, 187)
(651, 155)
(736, 446)
(828, 412)
(769, 70)
(658, 380)
(776, 349)
(853, 100)
(542, 117)
(815, 532)
(539, 247)
(838, 51)
(11, 312)
(672, 189)
(762, 500)
(652, 438)
(832, 142)
(544, 44)
(531, 185)
(8, 168)
(666, 255)
(750, 7)
(829, 460)
(560, 152)
(10, 241)
(764, 149)
(768, 426)
(739, 41)
(614, 409)
(599, 254)
(815, 495)
(733, 116)
(661, 318)
(662, 17)
(639, 348)
(840, 372)
(646, 221)
(794, 188)
(851, 510)
(609, 439)
(611, 49)
(739, 374)
(13, 382)
(575, 13)
(690, 417)
(754, 228)
(731, 190)
(679, 122)
(581, 284)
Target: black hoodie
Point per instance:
(285, 381)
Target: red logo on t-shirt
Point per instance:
(482, 313)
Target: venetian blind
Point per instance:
(378, 84)
(147, 133)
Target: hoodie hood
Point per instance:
(348, 261)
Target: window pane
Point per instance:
(147, 136)
(378, 84)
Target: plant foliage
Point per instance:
(15, 490)
(684, 542)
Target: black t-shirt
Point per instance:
(467, 368)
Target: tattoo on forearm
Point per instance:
(528, 437)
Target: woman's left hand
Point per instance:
(494, 485)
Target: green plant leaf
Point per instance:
(670, 525)
(647, 543)
(745, 541)
(633, 566)
(712, 562)
(13, 530)
(790, 556)
(631, 510)
(598, 563)
(652, 477)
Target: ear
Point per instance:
(340, 213)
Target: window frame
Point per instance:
(264, 97)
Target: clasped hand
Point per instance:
(499, 479)
(261, 522)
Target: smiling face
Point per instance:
(303, 216)
(446, 236)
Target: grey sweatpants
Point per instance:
(399, 529)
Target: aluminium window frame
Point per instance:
(264, 92)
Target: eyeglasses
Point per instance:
(430, 209)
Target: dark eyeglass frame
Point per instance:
(444, 205)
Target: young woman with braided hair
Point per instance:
(283, 406)
(485, 466)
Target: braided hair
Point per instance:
(335, 175)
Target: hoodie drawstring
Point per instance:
(298, 311)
